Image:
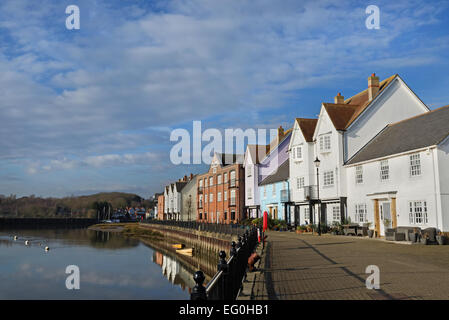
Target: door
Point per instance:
(385, 216)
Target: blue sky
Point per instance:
(91, 110)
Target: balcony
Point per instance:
(200, 189)
(311, 192)
(232, 202)
(200, 205)
(285, 196)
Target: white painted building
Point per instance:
(401, 177)
(343, 128)
(253, 155)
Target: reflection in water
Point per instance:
(174, 271)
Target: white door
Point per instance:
(385, 217)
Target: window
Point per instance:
(201, 200)
(273, 190)
(219, 179)
(249, 170)
(205, 215)
(205, 182)
(219, 196)
(359, 174)
(225, 196)
(418, 212)
(211, 197)
(415, 165)
(297, 153)
(384, 170)
(336, 213)
(214, 170)
(232, 197)
(201, 184)
(301, 182)
(225, 177)
(211, 181)
(297, 183)
(360, 212)
(232, 177)
(250, 194)
(225, 216)
(325, 143)
(201, 216)
(232, 215)
(205, 198)
(328, 178)
(306, 214)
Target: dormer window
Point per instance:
(325, 143)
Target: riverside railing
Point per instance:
(228, 281)
(232, 229)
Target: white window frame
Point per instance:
(219, 196)
(359, 174)
(415, 165)
(336, 213)
(325, 143)
(225, 196)
(361, 213)
(219, 179)
(328, 178)
(418, 212)
(384, 170)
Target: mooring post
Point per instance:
(198, 291)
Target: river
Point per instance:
(111, 266)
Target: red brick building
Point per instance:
(160, 207)
(221, 191)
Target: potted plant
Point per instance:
(441, 238)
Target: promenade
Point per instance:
(306, 267)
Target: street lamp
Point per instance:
(317, 165)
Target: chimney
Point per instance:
(373, 86)
(339, 99)
(280, 133)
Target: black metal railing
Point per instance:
(232, 229)
(228, 281)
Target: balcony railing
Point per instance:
(285, 196)
(311, 192)
(233, 183)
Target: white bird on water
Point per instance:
(27, 242)
(47, 248)
(15, 237)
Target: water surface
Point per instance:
(111, 267)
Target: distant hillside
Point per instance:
(81, 206)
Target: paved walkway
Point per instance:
(333, 267)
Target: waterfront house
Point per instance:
(274, 193)
(161, 206)
(302, 170)
(221, 191)
(253, 155)
(273, 167)
(188, 199)
(344, 127)
(401, 176)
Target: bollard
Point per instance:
(239, 243)
(233, 251)
(198, 291)
(222, 264)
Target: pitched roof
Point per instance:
(307, 127)
(258, 152)
(343, 115)
(180, 185)
(420, 131)
(281, 174)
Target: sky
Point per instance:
(92, 110)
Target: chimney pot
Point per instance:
(339, 99)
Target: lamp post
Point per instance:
(317, 165)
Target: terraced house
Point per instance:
(221, 191)
(342, 129)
